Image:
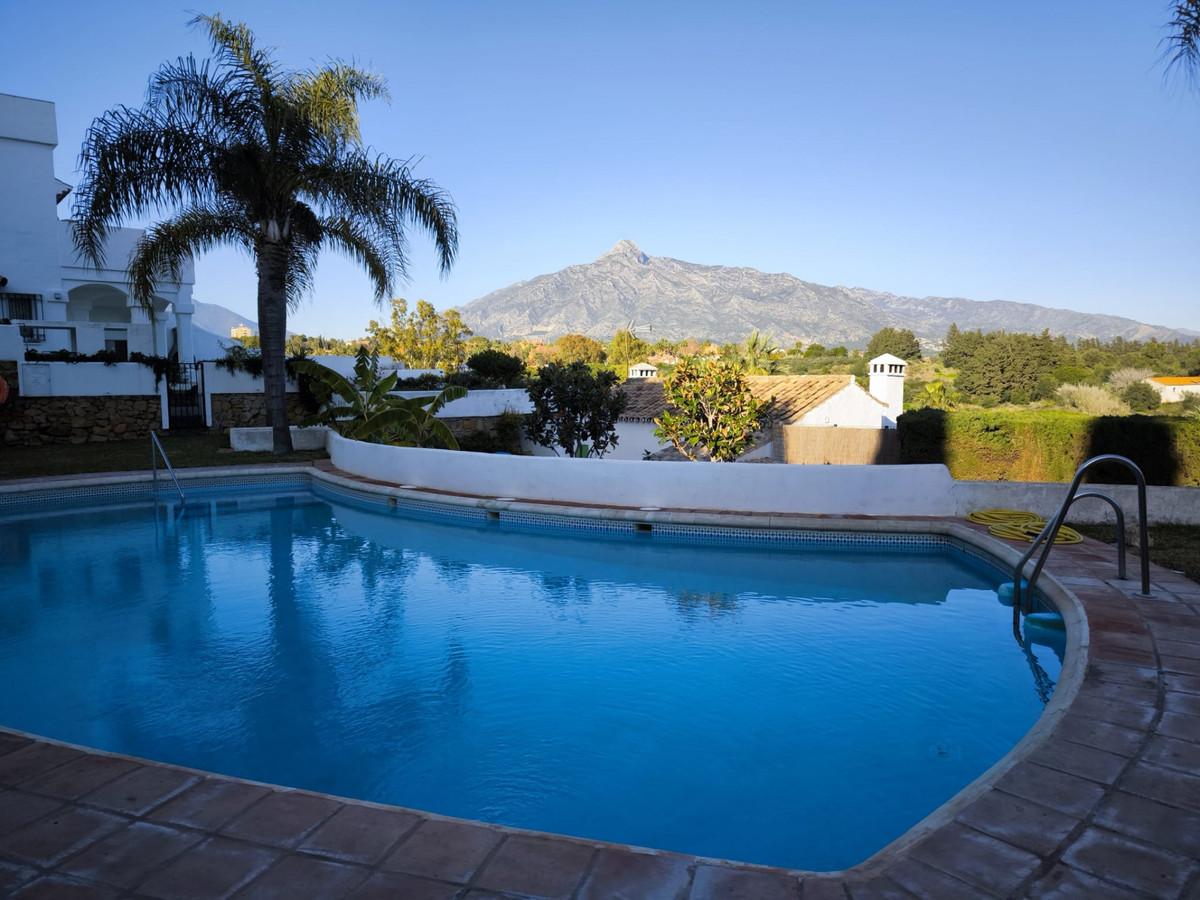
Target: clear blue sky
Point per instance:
(1024, 151)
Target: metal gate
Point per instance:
(185, 396)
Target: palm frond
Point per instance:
(329, 97)
(1182, 45)
(234, 44)
(366, 246)
(163, 248)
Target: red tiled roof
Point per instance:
(791, 396)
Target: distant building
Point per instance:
(240, 331)
(643, 370)
(813, 401)
(1174, 388)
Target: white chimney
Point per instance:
(887, 386)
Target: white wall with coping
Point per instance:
(851, 407)
(88, 379)
(924, 490)
(480, 402)
(1164, 505)
(259, 439)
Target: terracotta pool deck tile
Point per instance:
(976, 858)
(1183, 704)
(61, 887)
(536, 866)
(13, 875)
(1188, 684)
(723, 883)
(1020, 822)
(1119, 673)
(1049, 787)
(1106, 736)
(10, 741)
(1065, 883)
(444, 850)
(209, 804)
(1183, 728)
(1171, 753)
(1152, 822)
(304, 876)
(1181, 665)
(139, 791)
(1181, 649)
(126, 857)
(34, 759)
(1076, 759)
(282, 818)
(18, 809)
(360, 834)
(622, 875)
(879, 888)
(394, 886)
(925, 881)
(213, 869)
(80, 776)
(1166, 785)
(1127, 715)
(1110, 856)
(51, 839)
(1118, 692)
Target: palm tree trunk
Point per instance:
(272, 334)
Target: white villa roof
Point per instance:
(889, 358)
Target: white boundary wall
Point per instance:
(925, 490)
(1164, 505)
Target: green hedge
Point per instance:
(1048, 445)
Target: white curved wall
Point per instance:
(827, 490)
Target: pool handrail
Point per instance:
(1050, 532)
(156, 450)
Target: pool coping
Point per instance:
(1119, 734)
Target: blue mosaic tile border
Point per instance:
(212, 487)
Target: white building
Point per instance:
(643, 370)
(59, 300)
(1175, 388)
(817, 401)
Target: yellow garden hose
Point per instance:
(1020, 525)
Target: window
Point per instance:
(116, 340)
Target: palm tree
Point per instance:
(241, 151)
(758, 355)
(1183, 42)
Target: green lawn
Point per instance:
(1173, 546)
(200, 448)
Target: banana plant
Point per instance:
(363, 408)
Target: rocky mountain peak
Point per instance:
(628, 250)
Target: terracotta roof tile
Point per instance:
(791, 395)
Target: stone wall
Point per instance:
(34, 421)
(250, 410)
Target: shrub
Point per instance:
(711, 413)
(574, 409)
(1048, 445)
(497, 366)
(1141, 397)
(1095, 401)
(1122, 379)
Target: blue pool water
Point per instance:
(782, 704)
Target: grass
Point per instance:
(1172, 546)
(186, 450)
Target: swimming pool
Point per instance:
(774, 697)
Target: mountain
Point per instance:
(217, 319)
(682, 299)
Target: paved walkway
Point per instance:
(1107, 804)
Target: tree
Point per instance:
(497, 366)
(711, 413)
(574, 409)
(239, 150)
(1141, 397)
(572, 348)
(758, 356)
(369, 412)
(625, 349)
(937, 395)
(1182, 44)
(423, 339)
(899, 342)
(815, 350)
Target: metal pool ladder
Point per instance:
(1050, 532)
(156, 450)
